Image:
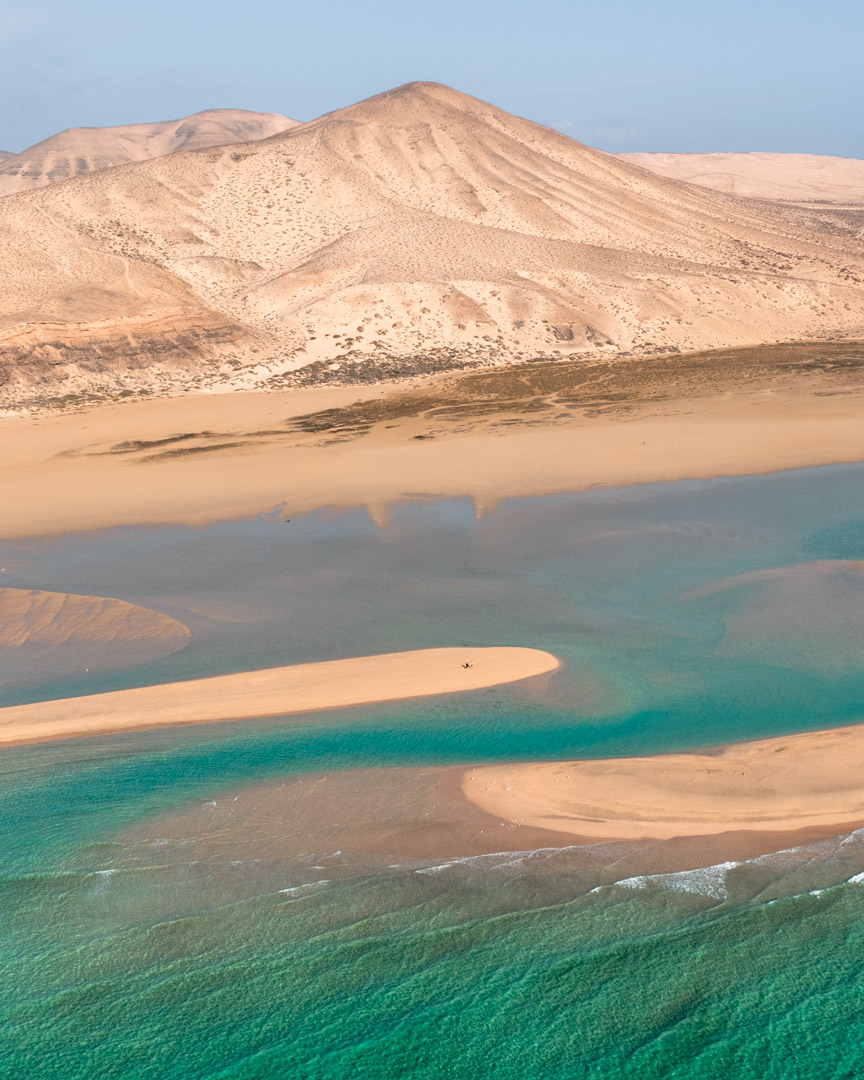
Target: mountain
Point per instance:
(802, 178)
(80, 150)
(416, 231)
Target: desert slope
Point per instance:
(80, 150)
(800, 178)
(418, 230)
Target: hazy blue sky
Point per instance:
(667, 75)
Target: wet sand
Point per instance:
(356, 819)
(814, 780)
(298, 688)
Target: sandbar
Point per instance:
(812, 780)
(297, 688)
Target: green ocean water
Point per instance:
(686, 615)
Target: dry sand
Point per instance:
(275, 692)
(72, 472)
(794, 782)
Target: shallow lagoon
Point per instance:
(132, 962)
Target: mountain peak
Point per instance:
(414, 102)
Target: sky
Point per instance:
(666, 75)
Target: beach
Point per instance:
(298, 688)
(203, 458)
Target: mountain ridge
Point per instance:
(75, 151)
(418, 230)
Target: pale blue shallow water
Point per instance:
(686, 615)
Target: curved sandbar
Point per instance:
(275, 692)
(784, 784)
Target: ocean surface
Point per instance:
(687, 615)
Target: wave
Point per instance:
(592, 855)
(770, 876)
(707, 881)
(310, 886)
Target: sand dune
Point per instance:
(417, 231)
(32, 616)
(783, 784)
(798, 178)
(81, 150)
(275, 691)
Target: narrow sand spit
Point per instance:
(275, 691)
(774, 785)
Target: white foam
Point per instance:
(522, 860)
(295, 890)
(707, 881)
(103, 876)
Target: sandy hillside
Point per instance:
(80, 150)
(418, 230)
(800, 178)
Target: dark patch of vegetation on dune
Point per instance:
(184, 451)
(134, 445)
(562, 389)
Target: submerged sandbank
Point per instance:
(37, 617)
(46, 636)
(814, 780)
(275, 691)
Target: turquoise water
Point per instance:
(686, 615)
